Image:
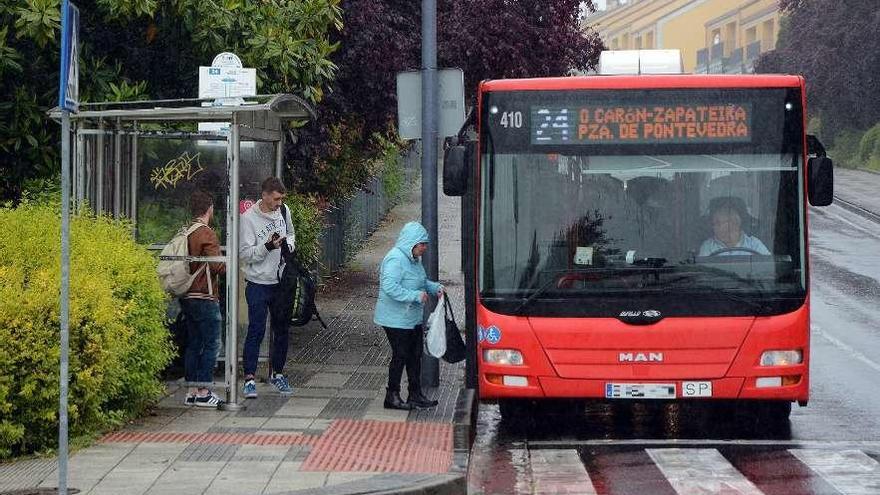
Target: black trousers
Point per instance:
(406, 352)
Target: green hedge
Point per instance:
(118, 340)
(308, 225)
(857, 149)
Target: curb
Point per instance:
(858, 210)
(453, 482)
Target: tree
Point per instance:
(485, 38)
(134, 48)
(491, 39)
(836, 47)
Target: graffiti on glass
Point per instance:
(182, 168)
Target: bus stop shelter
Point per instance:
(142, 159)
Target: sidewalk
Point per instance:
(332, 436)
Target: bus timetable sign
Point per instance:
(627, 124)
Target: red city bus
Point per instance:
(640, 237)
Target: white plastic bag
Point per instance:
(435, 337)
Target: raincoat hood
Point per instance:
(402, 281)
(411, 234)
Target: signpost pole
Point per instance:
(68, 99)
(430, 365)
(65, 298)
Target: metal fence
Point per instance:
(351, 221)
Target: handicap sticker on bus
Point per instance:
(493, 335)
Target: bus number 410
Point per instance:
(511, 119)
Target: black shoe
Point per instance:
(420, 401)
(393, 401)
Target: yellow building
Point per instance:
(714, 36)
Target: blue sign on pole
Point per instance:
(68, 87)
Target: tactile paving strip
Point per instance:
(345, 407)
(382, 446)
(365, 381)
(214, 438)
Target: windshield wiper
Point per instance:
(540, 290)
(718, 290)
(632, 270)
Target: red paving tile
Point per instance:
(210, 438)
(382, 446)
(347, 445)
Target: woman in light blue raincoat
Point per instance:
(403, 292)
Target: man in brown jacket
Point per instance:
(201, 306)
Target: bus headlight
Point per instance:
(782, 358)
(503, 356)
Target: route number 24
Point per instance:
(511, 120)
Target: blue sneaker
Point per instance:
(250, 389)
(281, 385)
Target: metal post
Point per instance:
(279, 157)
(468, 268)
(65, 299)
(430, 365)
(81, 179)
(99, 168)
(232, 220)
(117, 170)
(133, 197)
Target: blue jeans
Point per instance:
(258, 297)
(202, 331)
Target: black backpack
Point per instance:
(303, 308)
(294, 299)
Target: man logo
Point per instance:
(651, 313)
(640, 357)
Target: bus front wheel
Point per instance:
(774, 411)
(515, 411)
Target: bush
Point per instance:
(118, 340)
(308, 224)
(869, 143)
(846, 147)
(393, 175)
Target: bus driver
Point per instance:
(727, 214)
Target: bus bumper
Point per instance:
(720, 389)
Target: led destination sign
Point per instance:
(620, 124)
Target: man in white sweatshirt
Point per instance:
(263, 229)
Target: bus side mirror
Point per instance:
(820, 173)
(455, 169)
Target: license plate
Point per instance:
(639, 390)
(696, 389)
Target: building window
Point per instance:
(729, 38)
(768, 37)
(751, 35)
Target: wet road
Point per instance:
(832, 446)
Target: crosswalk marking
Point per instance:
(681, 471)
(559, 471)
(851, 472)
(701, 471)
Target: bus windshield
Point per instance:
(683, 224)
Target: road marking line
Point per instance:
(559, 471)
(844, 347)
(830, 213)
(694, 471)
(851, 472)
(819, 444)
